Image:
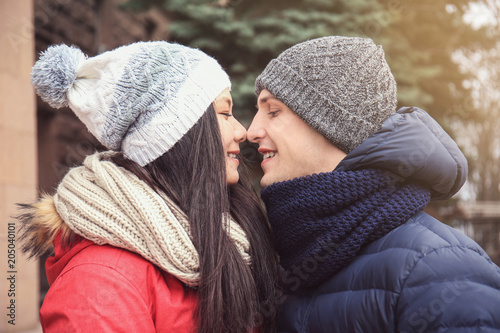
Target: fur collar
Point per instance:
(40, 224)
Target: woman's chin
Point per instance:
(232, 178)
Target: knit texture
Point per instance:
(139, 99)
(107, 204)
(341, 86)
(321, 222)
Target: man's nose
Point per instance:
(256, 130)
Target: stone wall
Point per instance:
(18, 164)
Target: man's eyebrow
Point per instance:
(265, 99)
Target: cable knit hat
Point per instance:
(139, 99)
(341, 86)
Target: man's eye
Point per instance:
(273, 113)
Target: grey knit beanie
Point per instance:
(341, 86)
(139, 99)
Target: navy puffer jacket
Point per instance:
(422, 276)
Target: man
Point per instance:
(346, 179)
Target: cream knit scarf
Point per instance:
(107, 204)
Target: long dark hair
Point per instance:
(233, 297)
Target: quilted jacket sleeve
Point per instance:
(102, 300)
(450, 289)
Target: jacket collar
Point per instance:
(414, 147)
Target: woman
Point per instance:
(160, 233)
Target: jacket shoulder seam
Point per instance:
(450, 244)
(424, 254)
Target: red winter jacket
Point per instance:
(101, 288)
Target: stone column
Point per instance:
(18, 164)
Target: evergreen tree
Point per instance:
(245, 35)
(419, 38)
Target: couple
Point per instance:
(162, 233)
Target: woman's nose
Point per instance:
(240, 133)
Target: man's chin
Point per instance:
(264, 181)
(268, 180)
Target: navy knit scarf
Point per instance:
(321, 222)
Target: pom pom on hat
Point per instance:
(55, 72)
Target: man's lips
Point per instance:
(267, 154)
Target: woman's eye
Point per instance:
(226, 114)
(273, 113)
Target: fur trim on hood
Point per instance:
(40, 224)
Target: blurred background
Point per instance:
(445, 56)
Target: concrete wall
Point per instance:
(18, 163)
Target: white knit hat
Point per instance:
(139, 99)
